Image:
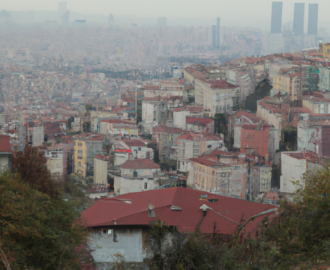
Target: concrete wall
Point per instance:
(147, 112)
(125, 185)
(38, 136)
(179, 119)
(292, 171)
(237, 136)
(4, 162)
(55, 166)
(100, 171)
(128, 243)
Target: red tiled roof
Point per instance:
(200, 136)
(309, 155)
(159, 98)
(205, 161)
(102, 157)
(117, 121)
(140, 164)
(197, 120)
(254, 126)
(134, 142)
(168, 130)
(223, 153)
(5, 143)
(226, 212)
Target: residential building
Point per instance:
(294, 166)
(197, 124)
(118, 127)
(217, 97)
(177, 116)
(35, 133)
(195, 144)
(324, 77)
(207, 173)
(241, 117)
(55, 162)
(125, 230)
(287, 84)
(317, 103)
(101, 164)
(156, 109)
(326, 50)
(85, 148)
(166, 139)
(314, 136)
(139, 149)
(137, 175)
(5, 153)
(252, 138)
(260, 180)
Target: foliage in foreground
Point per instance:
(31, 165)
(37, 232)
(298, 238)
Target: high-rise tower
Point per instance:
(217, 34)
(298, 18)
(276, 24)
(214, 36)
(313, 10)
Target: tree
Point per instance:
(37, 232)
(31, 165)
(156, 152)
(297, 238)
(88, 107)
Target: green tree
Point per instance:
(37, 232)
(88, 107)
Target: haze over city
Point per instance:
(253, 13)
(139, 134)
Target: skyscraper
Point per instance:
(313, 10)
(217, 34)
(62, 7)
(298, 18)
(276, 26)
(214, 36)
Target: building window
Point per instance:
(79, 164)
(145, 185)
(80, 154)
(80, 144)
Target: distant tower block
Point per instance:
(111, 19)
(66, 17)
(313, 10)
(214, 36)
(62, 8)
(298, 19)
(218, 34)
(276, 23)
(4, 16)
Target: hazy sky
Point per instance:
(232, 12)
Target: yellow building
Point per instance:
(326, 50)
(80, 158)
(288, 83)
(281, 83)
(85, 148)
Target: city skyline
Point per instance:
(196, 13)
